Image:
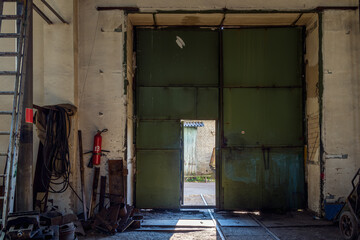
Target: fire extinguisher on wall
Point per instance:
(97, 152)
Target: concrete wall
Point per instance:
(341, 122)
(312, 114)
(102, 103)
(146, 5)
(6, 82)
(55, 78)
(205, 143)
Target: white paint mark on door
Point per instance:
(180, 42)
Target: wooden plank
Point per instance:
(260, 19)
(116, 182)
(189, 19)
(102, 192)
(141, 19)
(94, 191)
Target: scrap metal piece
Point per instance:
(126, 221)
(107, 219)
(69, 218)
(22, 231)
(22, 225)
(79, 228)
(48, 232)
(51, 218)
(136, 222)
(117, 178)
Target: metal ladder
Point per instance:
(19, 35)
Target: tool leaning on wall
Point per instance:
(53, 174)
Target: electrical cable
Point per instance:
(56, 167)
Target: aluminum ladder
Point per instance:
(17, 39)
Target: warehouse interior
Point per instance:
(106, 91)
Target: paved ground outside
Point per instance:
(193, 191)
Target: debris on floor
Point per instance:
(116, 219)
(106, 212)
(49, 225)
(54, 225)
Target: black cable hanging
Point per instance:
(56, 167)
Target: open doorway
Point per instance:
(198, 162)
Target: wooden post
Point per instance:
(102, 192)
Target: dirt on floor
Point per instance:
(198, 224)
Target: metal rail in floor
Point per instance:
(220, 231)
(217, 225)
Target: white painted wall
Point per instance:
(6, 82)
(341, 112)
(54, 76)
(313, 114)
(102, 103)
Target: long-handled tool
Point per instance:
(82, 174)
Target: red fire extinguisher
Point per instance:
(97, 147)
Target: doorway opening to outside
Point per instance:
(198, 163)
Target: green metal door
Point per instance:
(177, 78)
(262, 145)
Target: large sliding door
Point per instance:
(177, 78)
(262, 145)
(261, 104)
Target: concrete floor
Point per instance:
(193, 190)
(197, 224)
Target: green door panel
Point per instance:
(162, 62)
(177, 77)
(258, 179)
(158, 179)
(158, 135)
(207, 104)
(167, 103)
(282, 185)
(242, 178)
(265, 116)
(262, 57)
(262, 151)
